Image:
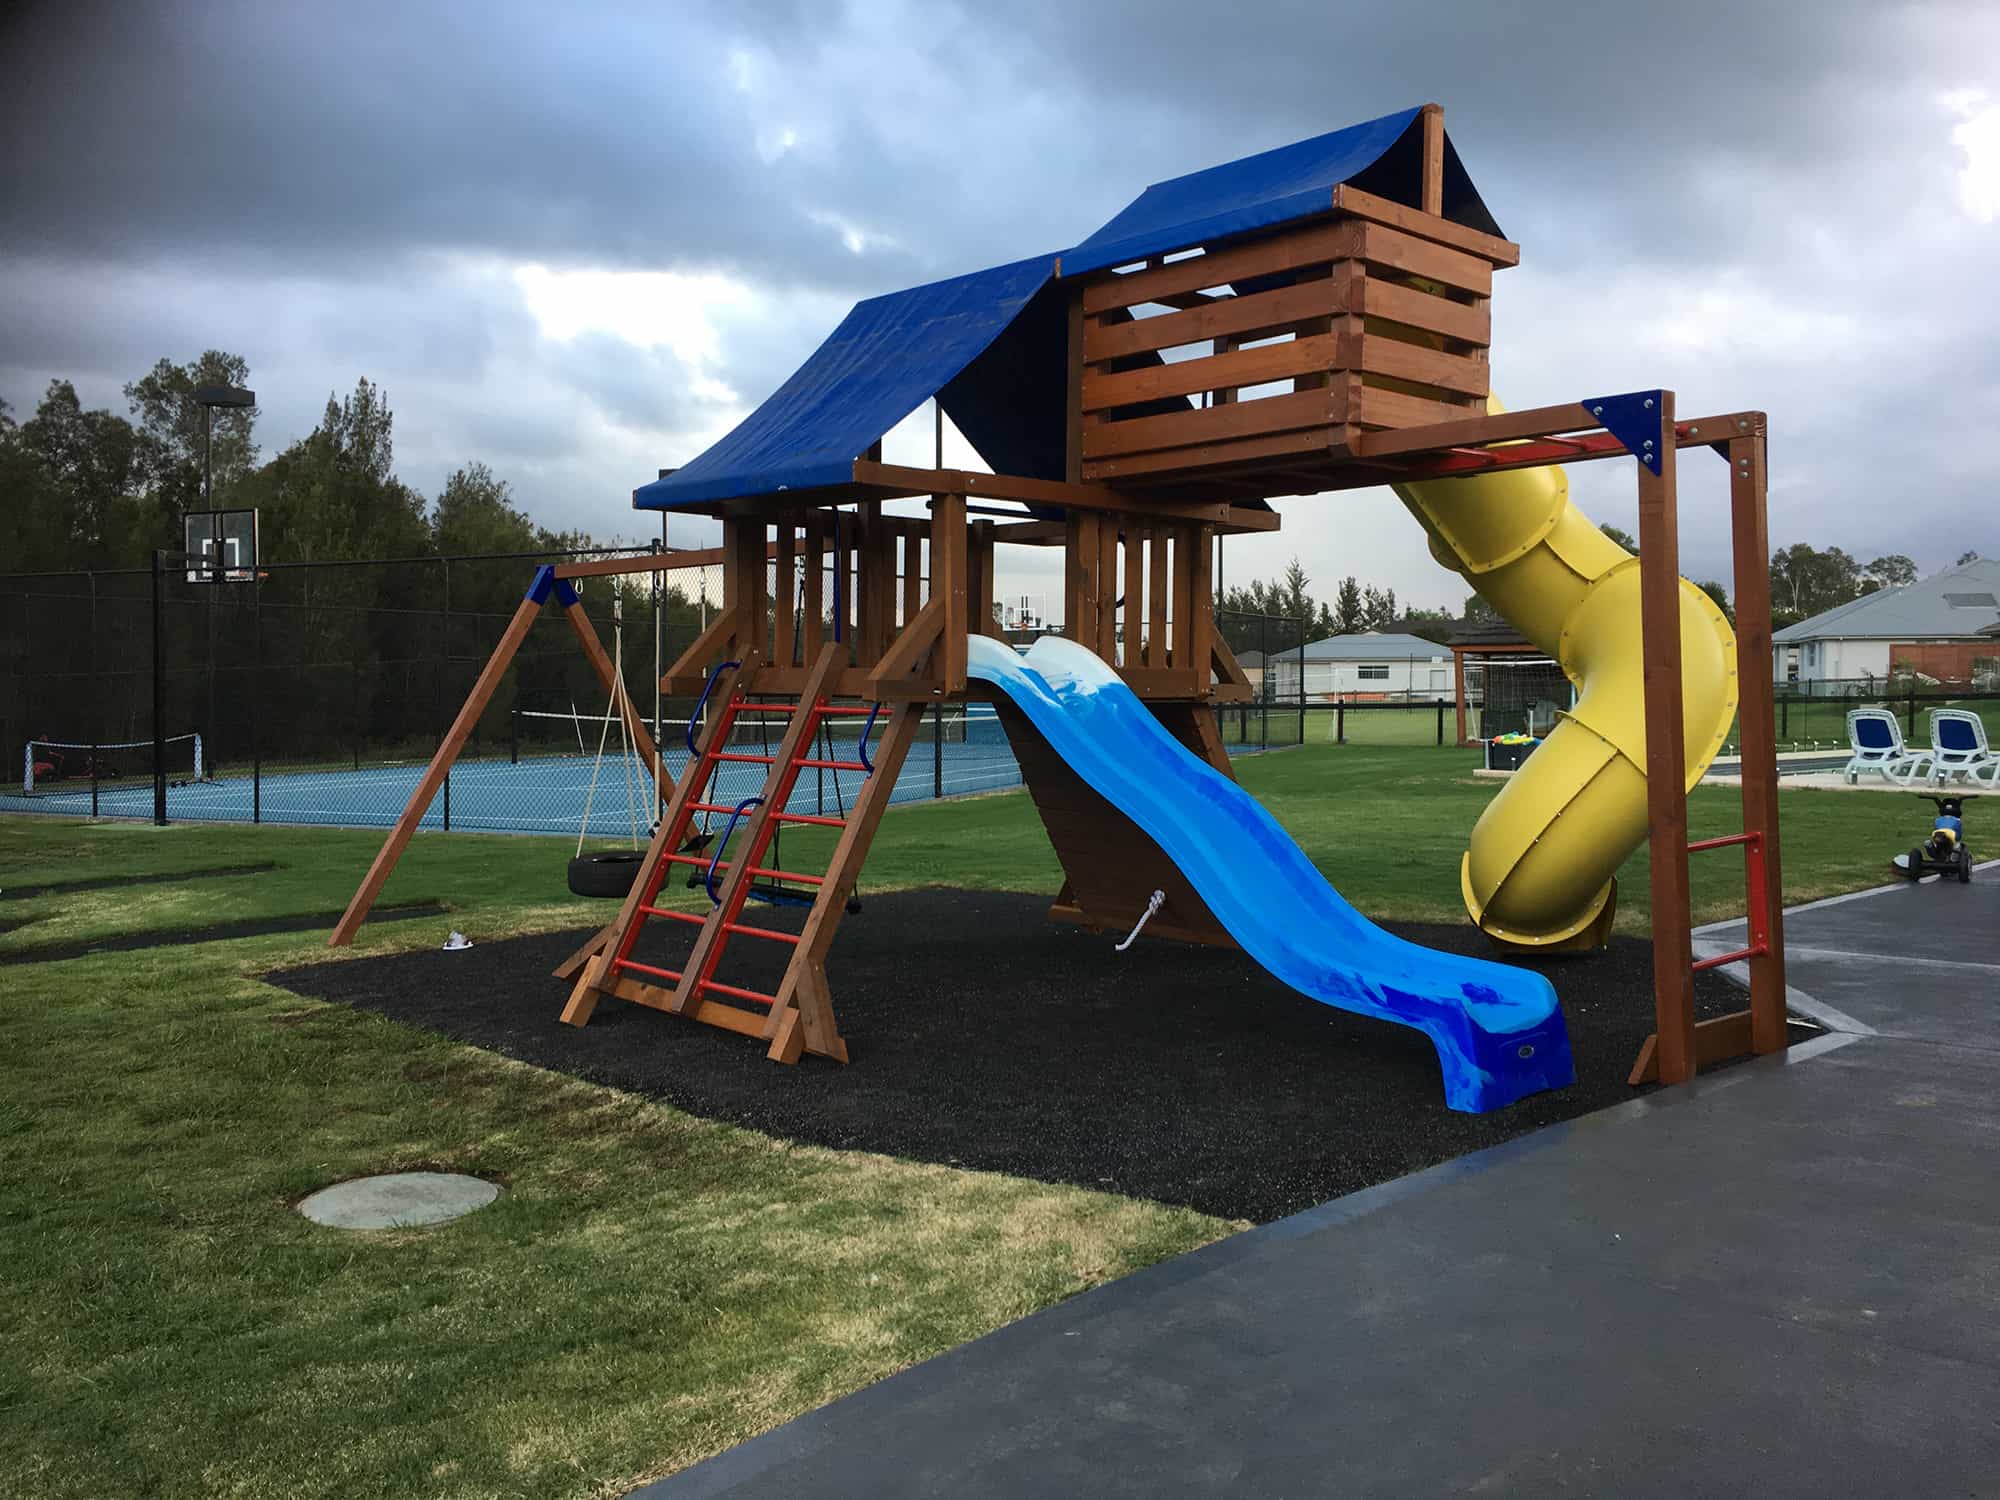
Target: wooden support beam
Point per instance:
(907, 652)
(600, 663)
(1750, 538)
(435, 773)
(711, 644)
(894, 481)
(1348, 199)
(1183, 658)
(1715, 1040)
(1666, 758)
(736, 881)
(913, 577)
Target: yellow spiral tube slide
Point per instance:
(1538, 872)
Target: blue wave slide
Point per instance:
(1498, 1030)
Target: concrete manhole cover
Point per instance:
(398, 1200)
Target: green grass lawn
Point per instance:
(652, 1287)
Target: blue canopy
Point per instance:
(991, 346)
(889, 356)
(1382, 156)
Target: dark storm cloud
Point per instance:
(1718, 195)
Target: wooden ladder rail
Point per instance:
(802, 1019)
(691, 787)
(709, 943)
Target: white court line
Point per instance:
(1794, 951)
(1873, 890)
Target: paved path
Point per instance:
(1783, 1280)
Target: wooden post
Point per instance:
(1106, 644)
(948, 582)
(815, 589)
(1156, 596)
(1458, 691)
(1433, 185)
(782, 596)
(1182, 623)
(1751, 542)
(1201, 613)
(1666, 756)
(979, 579)
(434, 774)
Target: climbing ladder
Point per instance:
(798, 1016)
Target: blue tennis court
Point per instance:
(538, 794)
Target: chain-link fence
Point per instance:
(317, 693)
(1813, 716)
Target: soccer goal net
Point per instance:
(47, 762)
(1523, 695)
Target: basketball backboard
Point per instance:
(221, 546)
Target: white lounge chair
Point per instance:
(1958, 746)
(1875, 740)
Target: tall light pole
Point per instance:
(230, 398)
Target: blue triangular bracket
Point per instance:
(1634, 419)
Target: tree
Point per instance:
(1297, 602)
(1622, 537)
(88, 463)
(1478, 611)
(1891, 572)
(1378, 607)
(169, 421)
(1966, 557)
(1348, 607)
(1714, 589)
(1428, 624)
(1807, 582)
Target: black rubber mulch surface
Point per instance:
(171, 937)
(982, 1035)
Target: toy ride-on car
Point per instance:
(1944, 852)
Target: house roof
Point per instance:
(1959, 602)
(991, 345)
(1494, 632)
(1367, 646)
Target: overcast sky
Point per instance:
(578, 242)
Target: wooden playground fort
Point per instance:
(1311, 320)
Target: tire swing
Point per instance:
(610, 873)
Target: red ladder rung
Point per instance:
(760, 760)
(633, 964)
(678, 916)
(810, 818)
(757, 997)
(845, 713)
(693, 859)
(786, 875)
(744, 929)
(832, 765)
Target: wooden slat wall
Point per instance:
(1372, 325)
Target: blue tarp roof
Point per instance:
(990, 346)
(889, 356)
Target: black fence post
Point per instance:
(256, 690)
(1440, 709)
(1784, 717)
(159, 695)
(1339, 722)
(97, 697)
(354, 697)
(1911, 727)
(1302, 681)
(444, 658)
(937, 750)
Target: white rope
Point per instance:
(1159, 900)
